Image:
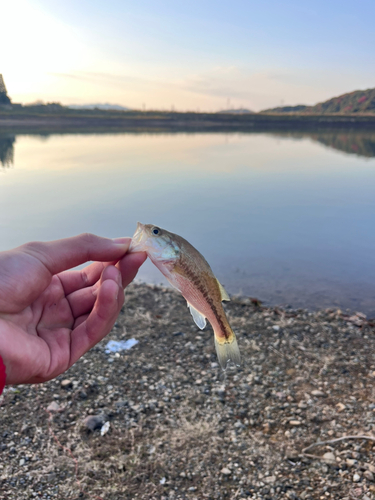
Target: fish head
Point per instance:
(158, 243)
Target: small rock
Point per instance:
(95, 421)
(66, 384)
(340, 407)
(329, 457)
(105, 429)
(357, 319)
(368, 475)
(317, 393)
(291, 371)
(351, 462)
(269, 479)
(291, 454)
(53, 406)
(275, 328)
(295, 422)
(82, 394)
(162, 480)
(226, 471)
(356, 477)
(22, 462)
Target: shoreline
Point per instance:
(179, 429)
(188, 122)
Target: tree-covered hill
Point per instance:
(359, 101)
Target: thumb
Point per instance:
(66, 253)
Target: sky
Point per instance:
(204, 55)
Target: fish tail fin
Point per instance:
(227, 350)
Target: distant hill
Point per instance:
(359, 101)
(104, 106)
(240, 111)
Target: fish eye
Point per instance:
(155, 230)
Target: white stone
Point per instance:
(53, 406)
(317, 393)
(226, 471)
(295, 422)
(329, 457)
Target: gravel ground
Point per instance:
(162, 421)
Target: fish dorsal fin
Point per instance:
(224, 295)
(198, 317)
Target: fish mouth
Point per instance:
(137, 240)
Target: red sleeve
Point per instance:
(3, 375)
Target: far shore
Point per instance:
(96, 120)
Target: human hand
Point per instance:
(49, 315)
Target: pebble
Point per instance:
(226, 471)
(105, 429)
(291, 454)
(269, 479)
(93, 422)
(275, 328)
(295, 422)
(368, 475)
(356, 477)
(350, 462)
(53, 406)
(317, 393)
(329, 457)
(66, 384)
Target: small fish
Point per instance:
(189, 272)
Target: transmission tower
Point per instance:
(4, 99)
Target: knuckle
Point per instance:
(88, 238)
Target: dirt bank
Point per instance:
(178, 429)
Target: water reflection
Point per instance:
(354, 143)
(7, 150)
(288, 221)
(361, 144)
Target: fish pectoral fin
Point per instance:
(223, 292)
(198, 317)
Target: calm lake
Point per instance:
(289, 219)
